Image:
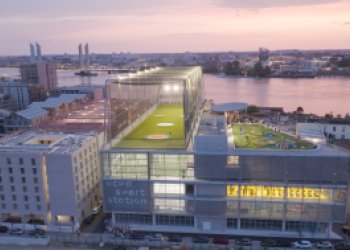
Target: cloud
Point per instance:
(58, 8)
(259, 4)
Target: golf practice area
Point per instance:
(163, 128)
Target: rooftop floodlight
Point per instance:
(167, 88)
(176, 88)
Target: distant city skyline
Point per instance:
(141, 26)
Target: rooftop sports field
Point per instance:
(164, 128)
(260, 136)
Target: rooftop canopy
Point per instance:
(229, 107)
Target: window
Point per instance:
(22, 171)
(25, 198)
(10, 170)
(35, 180)
(13, 189)
(34, 170)
(0, 178)
(2, 197)
(308, 226)
(23, 179)
(8, 160)
(231, 222)
(24, 189)
(169, 204)
(36, 189)
(11, 179)
(15, 206)
(3, 206)
(20, 161)
(14, 197)
(26, 206)
(134, 218)
(37, 198)
(32, 161)
(261, 224)
(232, 161)
(189, 189)
(38, 207)
(175, 220)
(169, 188)
(334, 128)
(1, 188)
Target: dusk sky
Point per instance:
(173, 26)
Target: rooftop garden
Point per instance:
(163, 129)
(260, 136)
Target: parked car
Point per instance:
(174, 238)
(135, 236)
(342, 246)
(283, 243)
(346, 229)
(200, 239)
(155, 237)
(221, 240)
(3, 229)
(118, 235)
(16, 231)
(244, 242)
(303, 244)
(37, 232)
(324, 245)
(268, 243)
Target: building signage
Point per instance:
(128, 195)
(281, 193)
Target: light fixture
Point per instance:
(167, 88)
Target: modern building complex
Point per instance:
(177, 164)
(51, 180)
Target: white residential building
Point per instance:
(49, 179)
(323, 130)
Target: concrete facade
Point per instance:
(49, 179)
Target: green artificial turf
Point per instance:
(257, 136)
(165, 113)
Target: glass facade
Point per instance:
(169, 205)
(174, 220)
(125, 165)
(291, 193)
(172, 167)
(310, 226)
(178, 198)
(261, 224)
(126, 218)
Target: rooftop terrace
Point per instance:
(259, 136)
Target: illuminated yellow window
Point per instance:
(232, 161)
(232, 190)
(277, 192)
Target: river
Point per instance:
(318, 95)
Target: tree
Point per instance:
(232, 68)
(260, 70)
(252, 109)
(300, 110)
(329, 115)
